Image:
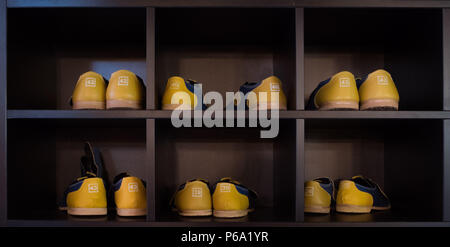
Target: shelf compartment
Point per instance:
(403, 157)
(265, 165)
(405, 42)
(44, 158)
(223, 53)
(48, 49)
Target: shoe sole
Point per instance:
(345, 208)
(189, 213)
(231, 213)
(124, 104)
(340, 106)
(317, 209)
(131, 211)
(87, 211)
(379, 105)
(88, 105)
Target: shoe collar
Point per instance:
(252, 193)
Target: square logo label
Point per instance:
(123, 81)
(197, 192)
(309, 191)
(225, 188)
(90, 82)
(344, 82)
(93, 188)
(133, 187)
(174, 85)
(382, 80)
(274, 87)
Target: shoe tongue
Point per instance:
(363, 181)
(193, 82)
(323, 180)
(228, 179)
(199, 179)
(120, 176)
(91, 163)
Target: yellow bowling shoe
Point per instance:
(193, 198)
(89, 92)
(129, 195)
(336, 93)
(125, 90)
(377, 91)
(319, 195)
(179, 94)
(269, 94)
(360, 195)
(231, 199)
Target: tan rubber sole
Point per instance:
(206, 212)
(131, 211)
(88, 105)
(87, 211)
(380, 104)
(339, 105)
(124, 104)
(317, 209)
(231, 213)
(345, 208)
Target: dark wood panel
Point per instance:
(225, 3)
(151, 59)
(300, 170)
(413, 165)
(160, 114)
(3, 115)
(150, 169)
(446, 172)
(233, 223)
(300, 58)
(446, 57)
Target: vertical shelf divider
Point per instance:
(446, 107)
(300, 58)
(151, 59)
(150, 170)
(300, 170)
(3, 115)
(150, 123)
(300, 105)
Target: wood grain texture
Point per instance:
(233, 3)
(446, 172)
(3, 115)
(446, 57)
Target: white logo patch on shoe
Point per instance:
(274, 87)
(197, 192)
(309, 191)
(344, 82)
(174, 85)
(93, 188)
(382, 80)
(90, 82)
(123, 81)
(133, 187)
(225, 188)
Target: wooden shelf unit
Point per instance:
(45, 45)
